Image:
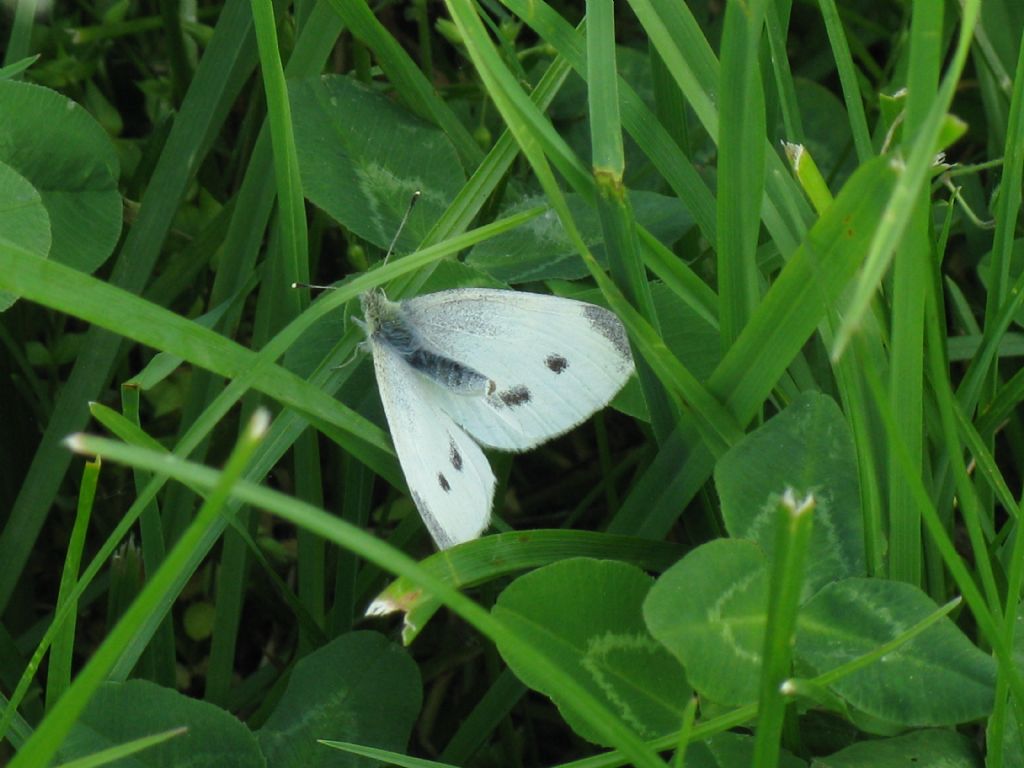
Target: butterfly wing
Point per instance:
(449, 477)
(553, 361)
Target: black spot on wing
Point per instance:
(556, 363)
(443, 482)
(515, 396)
(609, 326)
(454, 456)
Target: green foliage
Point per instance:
(586, 615)
(343, 131)
(373, 698)
(808, 447)
(943, 749)
(122, 711)
(792, 540)
(60, 176)
(849, 618)
(709, 610)
(540, 250)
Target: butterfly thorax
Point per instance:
(386, 325)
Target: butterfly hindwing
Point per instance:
(448, 475)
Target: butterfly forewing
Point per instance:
(552, 361)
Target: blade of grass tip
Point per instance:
(14, 69)
(205, 106)
(383, 555)
(282, 435)
(741, 167)
(794, 519)
(915, 172)
(615, 213)
(502, 554)
(602, 96)
(809, 176)
(50, 734)
(58, 677)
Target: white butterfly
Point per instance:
(511, 369)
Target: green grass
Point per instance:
(844, 330)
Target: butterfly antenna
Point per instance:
(401, 226)
(311, 286)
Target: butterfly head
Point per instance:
(376, 309)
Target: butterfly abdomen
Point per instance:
(449, 373)
(390, 328)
